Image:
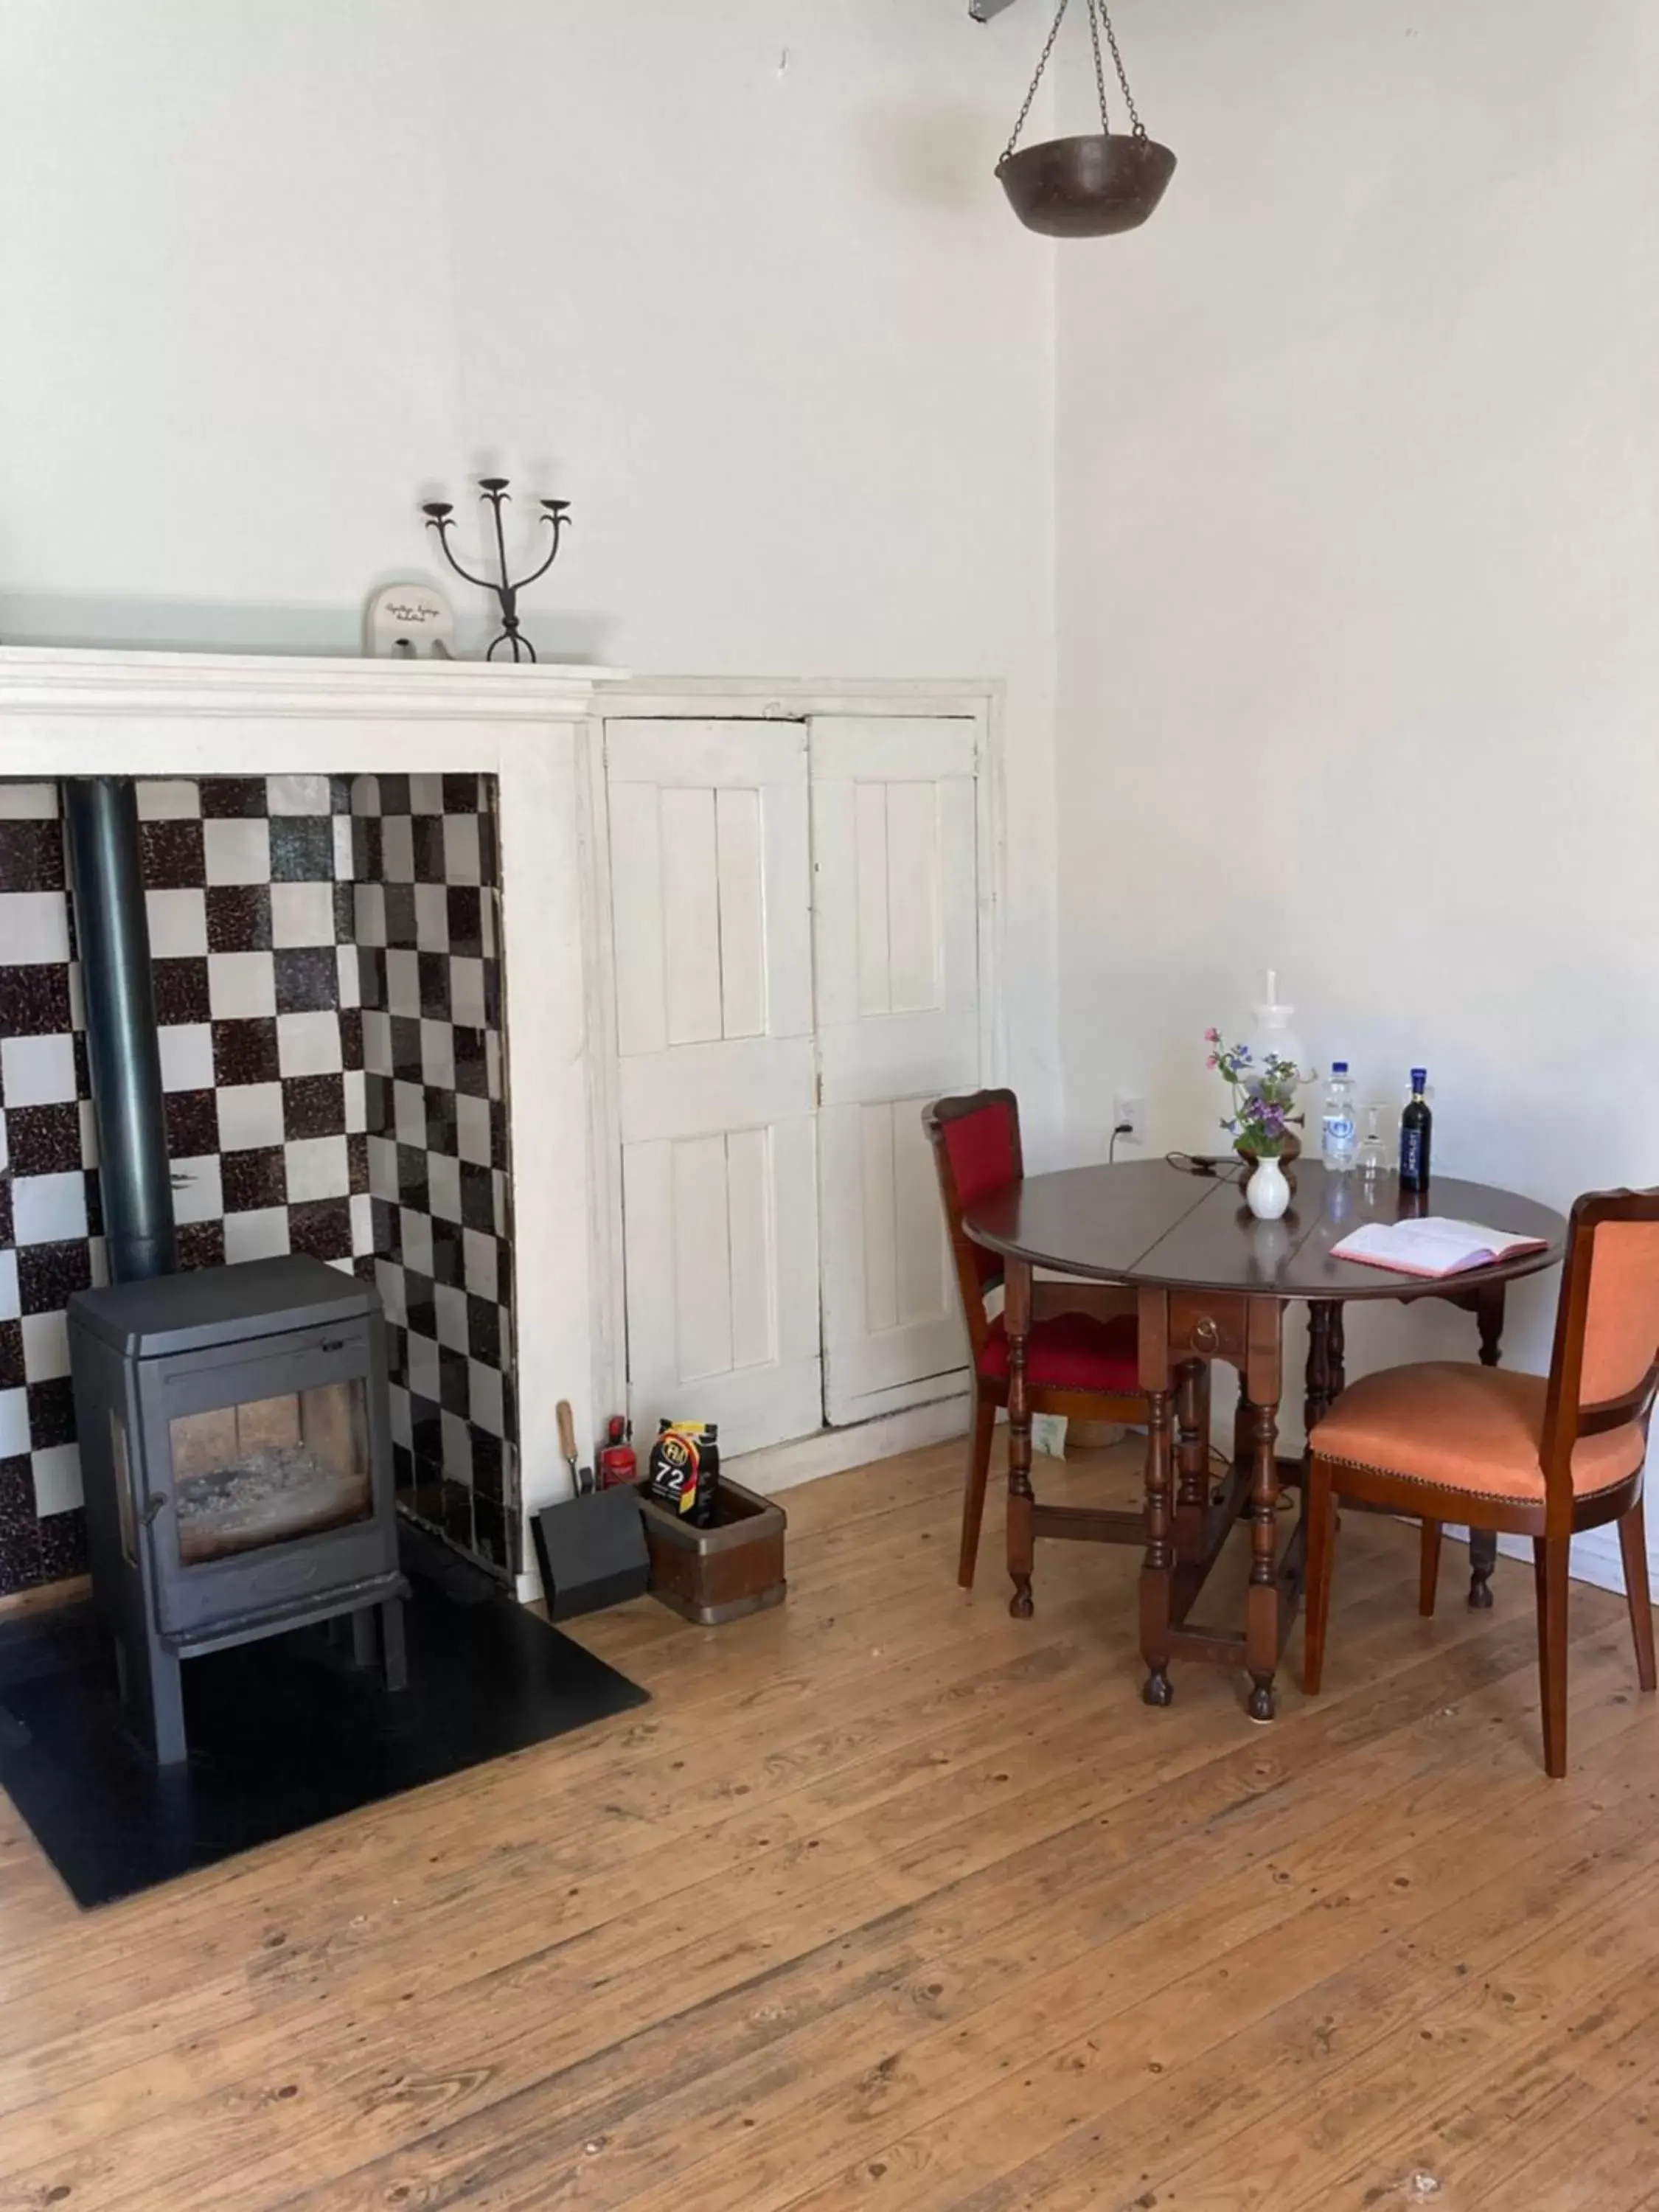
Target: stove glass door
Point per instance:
(270, 1469)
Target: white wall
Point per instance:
(735, 278)
(1358, 582)
(1356, 455)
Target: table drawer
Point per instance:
(1214, 1324)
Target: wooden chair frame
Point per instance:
(975, 1279)
(1552, 1522)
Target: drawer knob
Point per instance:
(1205, 1334)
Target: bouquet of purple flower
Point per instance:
(1264, 1097)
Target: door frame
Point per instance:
(708, 698)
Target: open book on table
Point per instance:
(1432, 1246)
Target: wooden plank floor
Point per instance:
(888, 1900)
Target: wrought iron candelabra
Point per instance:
(556, 513)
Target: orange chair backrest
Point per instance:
(1605, 1370)
(1621, 1319)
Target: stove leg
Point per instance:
(391, 1638)
(152, 1692)
(167, 1690)
(365, 1647)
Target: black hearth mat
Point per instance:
(282, 1734)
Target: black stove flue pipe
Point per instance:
(112, 930)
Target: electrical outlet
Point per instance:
(1132, 1111)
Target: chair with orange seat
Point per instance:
(1521, 1454)
(1080, 1363)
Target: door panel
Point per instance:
(720, 1246)
(893, 1327)
(895, 826)
(742, 907)
(693, 983)
(772, 1077)
(711, 890)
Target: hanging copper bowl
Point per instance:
(1086, 187)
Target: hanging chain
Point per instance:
(1095, 14)
(1137, 126)
(1042, 64)
(1099, 18)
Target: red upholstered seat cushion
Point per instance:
(1072, 1352)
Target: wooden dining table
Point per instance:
(1213, 1284)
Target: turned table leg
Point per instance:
(1316, 1393)
(1017, 1324)
(1157, 1570)
(1326, 1355)
(1156, 1574)
(1241, 1428)
(1263, 1383)
(1483, 1542)
(1192, 1451)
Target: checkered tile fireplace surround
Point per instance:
(328, 989)
(426, 905)
(368, 894)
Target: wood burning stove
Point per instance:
(233, 1422)
(236, 1442)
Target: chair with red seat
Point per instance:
(1534, 1456)
(1079, 1363)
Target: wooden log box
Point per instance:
(717, 1574)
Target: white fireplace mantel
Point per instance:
(152, 713)
(65, 713)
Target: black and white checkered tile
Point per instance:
(256, 995)
(427, 924)
(50, 1240)
(257, 998)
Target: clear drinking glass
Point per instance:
(1372, 1157)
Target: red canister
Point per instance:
(617, 1464)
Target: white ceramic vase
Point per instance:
(1266, 1191)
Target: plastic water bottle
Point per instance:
(1339, 1136)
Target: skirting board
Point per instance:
(831, 1451)
(1596, 1556)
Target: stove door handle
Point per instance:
(154, 1507)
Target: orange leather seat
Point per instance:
(1474, 1429)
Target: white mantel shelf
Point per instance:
(137, 713)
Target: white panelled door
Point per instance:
(711, 890)
(896, 923)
